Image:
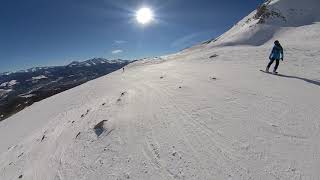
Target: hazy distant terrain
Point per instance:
(23, 88)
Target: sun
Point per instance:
(144, 15)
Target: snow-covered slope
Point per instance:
(9, 84)
(272, 19)
(183, 116)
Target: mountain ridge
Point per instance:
(22, 88)
(97, 60)
(271, 17)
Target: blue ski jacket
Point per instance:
(276, 53)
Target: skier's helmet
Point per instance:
(277, 42)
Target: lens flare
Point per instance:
(144, 15)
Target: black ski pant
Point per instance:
(277, 64)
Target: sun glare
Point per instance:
(144, 15)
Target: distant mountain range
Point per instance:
(22, 88)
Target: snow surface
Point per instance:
(183, 116)
(286, 16)
(3, 92)
(9, 84)
(5, 73)
(39, 77)
(26, 95)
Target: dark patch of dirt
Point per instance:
(213, 56)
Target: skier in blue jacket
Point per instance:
(276, 55)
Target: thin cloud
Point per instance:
(118, 51)
(120, 42)
(188, 39)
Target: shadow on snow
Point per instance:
(301, 78)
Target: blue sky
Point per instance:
(56, 32)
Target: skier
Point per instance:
(276, 55)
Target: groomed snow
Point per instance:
(185, 116)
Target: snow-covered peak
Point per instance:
(3, 92)
(39, 77)
(9, 83)
(95, 61)
(5, 73)
(74, 63)
(268, 20)
(34, 69)
(117, 61)
(288, 12)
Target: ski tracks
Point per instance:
(204, 142)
